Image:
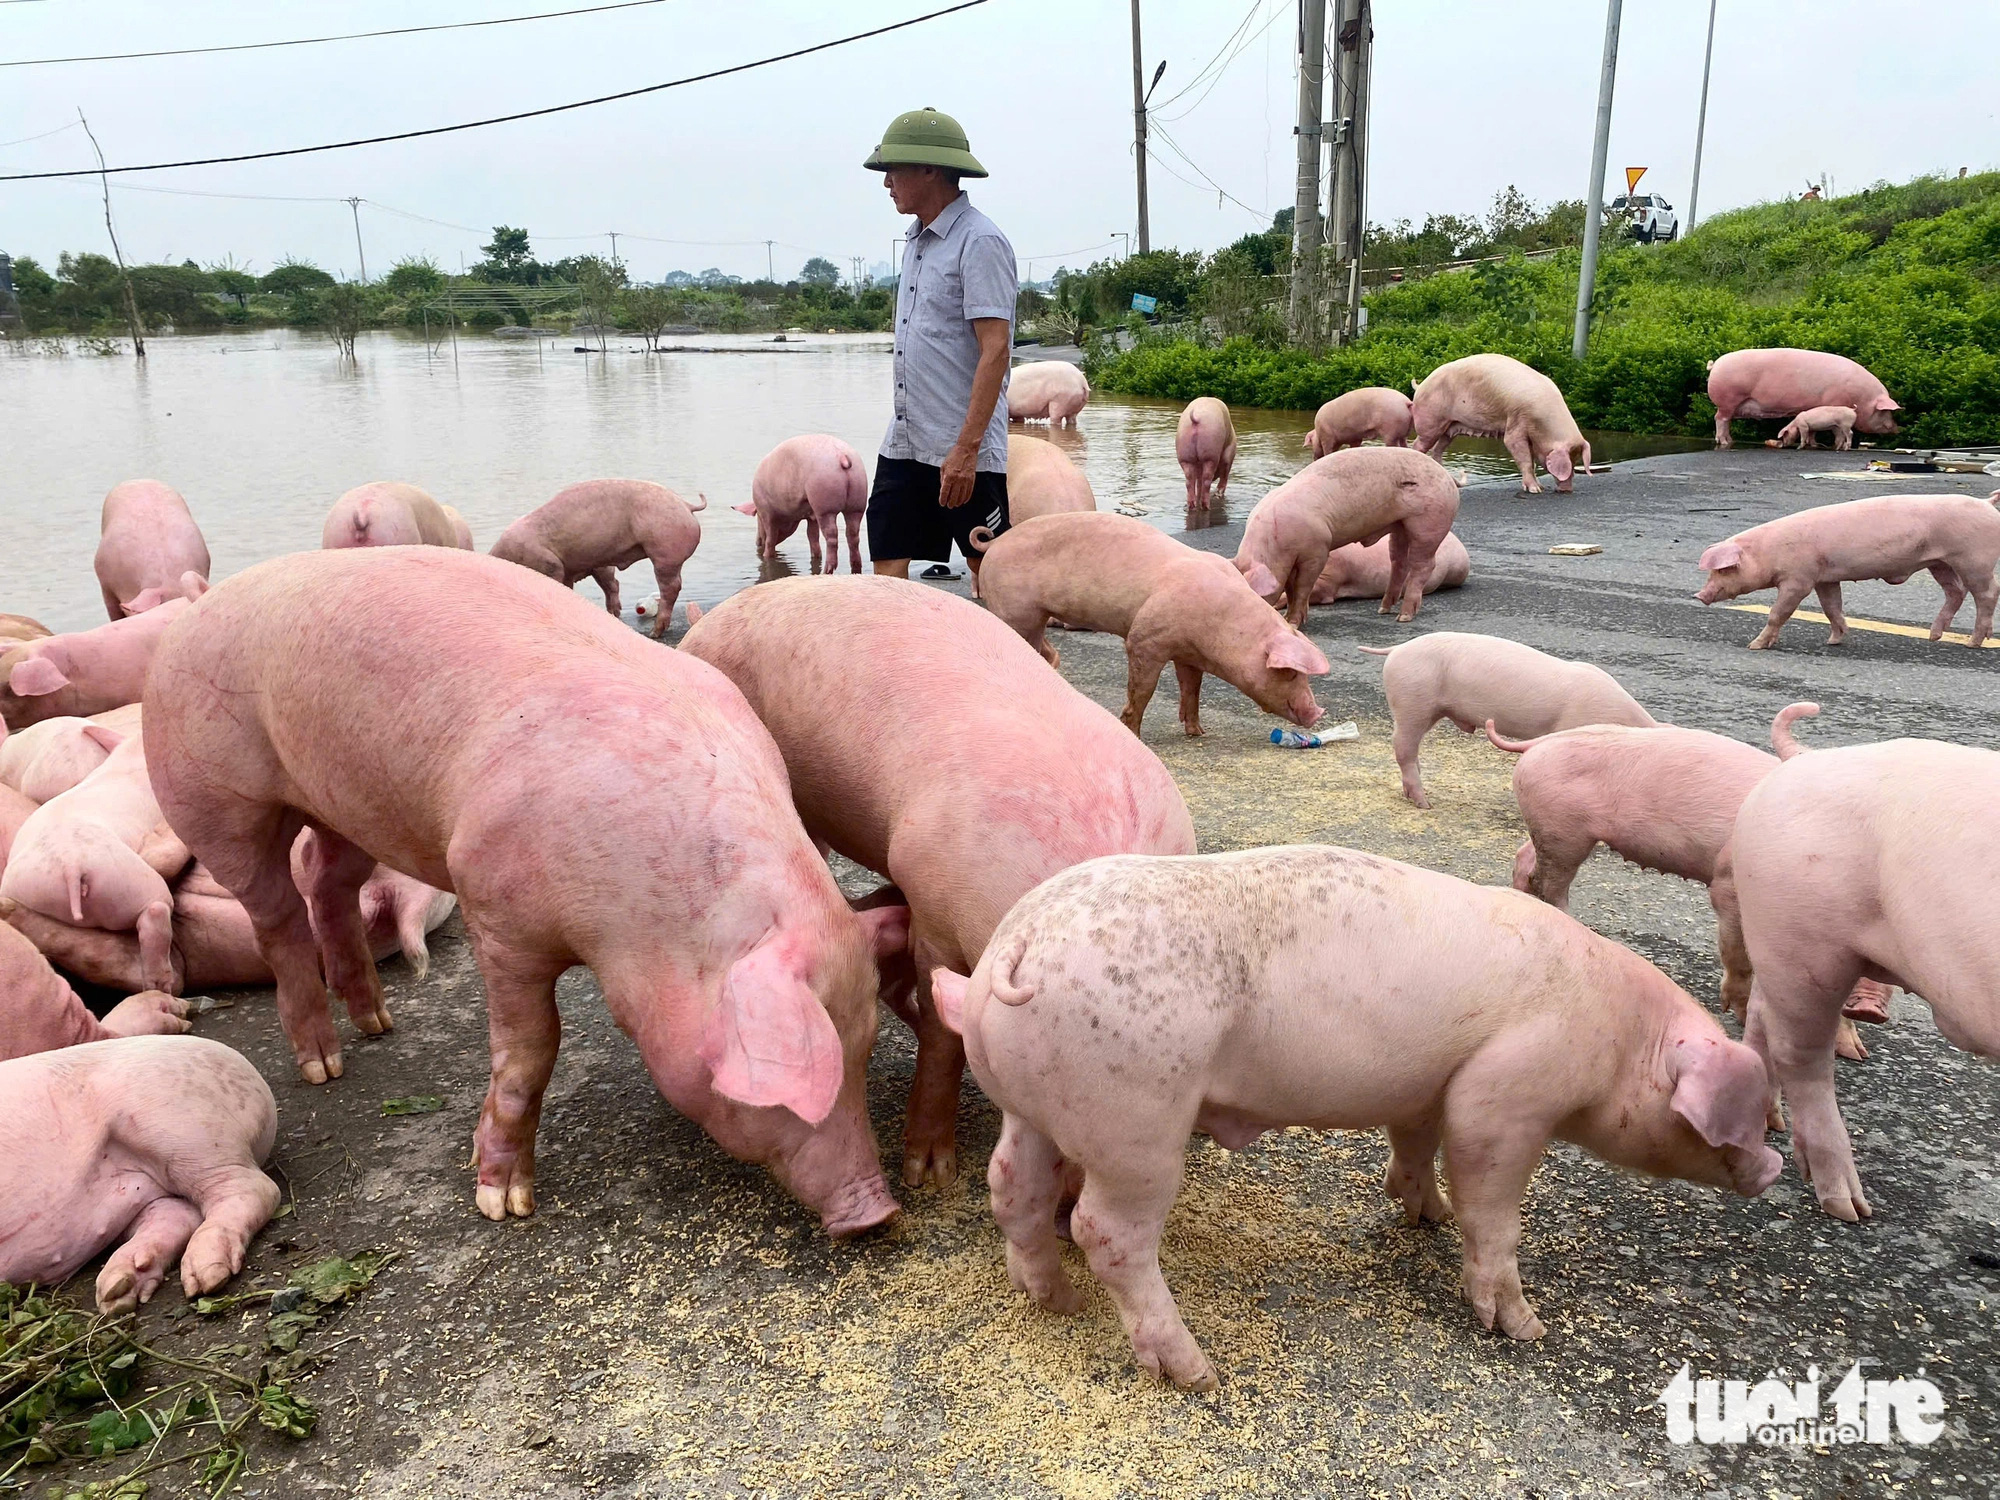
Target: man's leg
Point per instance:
(902, 507)
(892, 567)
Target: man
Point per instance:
(943, 466)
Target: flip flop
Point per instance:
(938, 570)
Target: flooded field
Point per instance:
(261, 431)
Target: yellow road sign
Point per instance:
(1632, 176)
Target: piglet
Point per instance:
(47, 759)
(1315, 990)
(39, 1012)
(1470, 679)
(89, 671)
(1783, 382)
(1205, 445)
(815, 479)
(1349, 420)
(1358, 572)
(148, 542)
(150, 1143)
(1492, 395)
(1803, 430)
(1041, 481)
(386, 513)
(595, 528)
(1046, 390)
(1102, 571)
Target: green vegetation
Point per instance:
(1905, 279)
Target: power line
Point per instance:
(43, 136)
(1174, 146)
(526, 114)
(314, 41)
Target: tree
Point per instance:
(509, 260)
(233, 280)
(341, 310)
(290, 276)
(599, 282)
(650, 309)
(820, 272)
(412, 277)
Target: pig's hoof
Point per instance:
(1521, 1323)
(1760, 644)
(935, 1165)
(320, 1069)
(1186, 1366)
(370, 1015)
(117, 1291)
(1848, 1044)
(1405, 617)
(497, 1202)
(1050, 1289)
(1192, 729)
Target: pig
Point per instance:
(1470, 679)
(1866, 861)
(39, 1012)
(386, 513)
(1107, 1027)
(1956, 537)
(1205, 445)
(1349, 420)
(148, 543)
(149, 1143)
(1358, 572)
(1170, 603)
(725, 951)
(461, 530)
(1041, 481)
(15, 810)
(1491, 395)
(88, 671)
(601, 525)
(1784, 382)
(18, 630)
(895, 705)
(1359, 496)
(816, 479)
(1050, 390)
(1803, 430)
(47, 759)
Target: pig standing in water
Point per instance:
(1785, 382)
(1956, 537)
(1107, 1027)
(47, 759)
(595, 528)
(148, 542)
(89, 671)
(1041, 481)
(1205, 444)
(386, 513)
(1470, 679)
(1050, 390)
(727, 953)
(815, 479)
(929, 743)
(152, 1141)
(1358, 572)
(1803, 430)
(1490, 395)
(1348, 421)
(38, 1012)
(1870, 861)
(1359, 496)
(1170, 603)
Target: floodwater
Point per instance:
(263, 431)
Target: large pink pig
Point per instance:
(149, 1143)
(15, 810)
(39, 1012)
(1869, 861)
(814, 479)
(1041, 480)
(47, 759)
(1491, 395)
(1046, 390)
(148, 542)
(89, 671)
(1107, 1025)
(1361, 495)
(595, 528)
(387, 513)
(1955, 537)
(1362, 572)
(929, 743)
(530, 746)
(1205, 445)
(1785, 382)
(1351, 419)
(1170, 603)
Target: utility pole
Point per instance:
(1139, 128)
(1306, 228)
(1701, 120)
(1593, 223)
(354, 206)
(1348, 223)
(131, 302)
(614, 245)
(770, 266)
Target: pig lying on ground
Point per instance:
(1784, 382)
(461, 530)
(47, 759)
(726, 953)
(1337, 990)
(896, 707)
(1050, 390)
(1491, 395)
(89, 671)
(1362, 495)
(1348, 421)
(1358, 572)
(595, 528)
(814, 479)
(1956, 537)
(1803, 430)
(18, 630)
(1205, 445)
(38, 1012)
(148, 543)
(151, 1143)
(1041, 481)
(1470, 679)
(15, 810)
(1869, 861)
(386, 513)
(1170, 603)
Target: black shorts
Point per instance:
(906, 521)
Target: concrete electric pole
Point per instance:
(1139, 94)
(1593, 222)
(1701, 120)
(614, 245)
(354, 206)
(1306, 229)
(1347, 226)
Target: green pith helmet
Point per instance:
(924, 138)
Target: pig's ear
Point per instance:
(1263, 582)
(948, 991)
(769, 1041)
(694, 614)
(1721, 555)
(748, 508)
(36, 677)
(1722, 1090)
(1887, 403)
(103, 735)
(1290, 649)
(888, 929)
(193, 585)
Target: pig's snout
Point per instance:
(1752, 1170)
(1303, 712)
(859, 1206)
(1709, 592)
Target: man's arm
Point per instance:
(995, 337)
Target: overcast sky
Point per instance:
(1469, 96)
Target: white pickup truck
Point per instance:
(1651, 216)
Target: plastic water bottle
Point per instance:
(1313, 739)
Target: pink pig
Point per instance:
(89, 671)
(1339, 991)
(1358, 572)
(387, 513)
(1041, 480)
(15, 810)
(1956, 537)
(601, 525)
(1170, 603)
(1803, 430)
(1491, 395)
(815, 479)
(1360, 495)
(1205, 445)
(1349, 420)
(725, 951)
(1050, 390)
(39, 1012)
(1785, 382)
(149, 542)
(47, 759)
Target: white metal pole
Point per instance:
(1701, 120)
(1599, 151)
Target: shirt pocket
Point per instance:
(941, 298)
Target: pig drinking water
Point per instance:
(1784, 382)
(817, 480)
(148, 542)
(1358, 572)
(89, 671)
(1205, 445)
(1803, 430)
(1050, 390)
(1956, 537)
(355, 692)
(1337, 990)
(1491, 395)
(595, 528)
(1041, 481)
(1349, 420)
(386, 513)
(47, 759)
(39, 1012)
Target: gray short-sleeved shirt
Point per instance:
(957, 269)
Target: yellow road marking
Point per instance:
(1883, 627)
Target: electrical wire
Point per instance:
(526, 114)
(1195, 82)
(1059, 254)
(1174, 146)
(42, 137)
(1241, 48)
